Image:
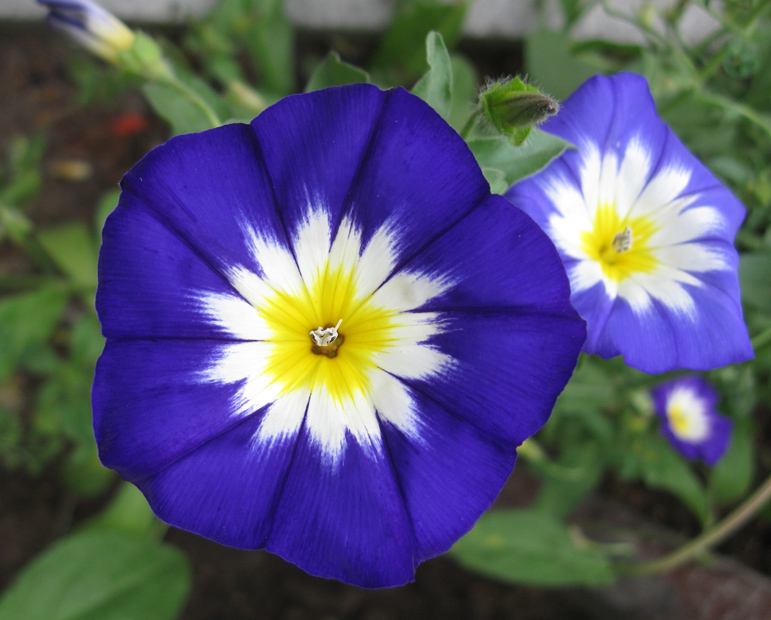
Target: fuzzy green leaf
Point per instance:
(435, 87)
(518, 162)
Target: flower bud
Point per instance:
(90, 25)
(513, 107)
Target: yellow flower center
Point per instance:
(619, 245)
(678, 421)
(307, 349)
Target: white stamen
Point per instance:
(323, 337)
(622, 242)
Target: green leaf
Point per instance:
(518, 162)
(22, 188)
(755, 278)
(107, 203)
(332, 71)
(84, 473)
(661, 467)
(73, 250)
(732, 477)
(579, 471)
(530, 547)
(86, 342)
(270, 40)
(27, 320)
(551, 65)
(175, 108)
(497, 180)
(435, 87)
(128, 511)
(590, 389)
(402, 45)
(464, 87)
(64, 402)
(100, 575)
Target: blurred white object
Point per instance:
(498, 19)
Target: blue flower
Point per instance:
(90, 25)
(689, 419)
(645, 232)
(325, 337)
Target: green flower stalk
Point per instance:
(134, 52)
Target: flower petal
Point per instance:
(166, 280)
(181, 184)
(662, 338)
(153, 402)
(225, 490)
(416, 177)
(663, 307)
(352, 512)
(331, 131)
(450, 463)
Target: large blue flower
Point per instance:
(645, 232)
(324, 336)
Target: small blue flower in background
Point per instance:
(645, 232)
(689, 419)
(90, 25)
(325, 337)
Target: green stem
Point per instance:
(22, 282)
(20, 230)
(651, 34)
(470, 123)
(761, 341)
(708, 539)
(749, 240)
(734, 106)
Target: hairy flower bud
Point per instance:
(513, 107)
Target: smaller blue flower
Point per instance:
(90, 25)
(644, 230)
(690, 420)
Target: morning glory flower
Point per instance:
(325, 337)
(689, 419)
(89, 24)
(645, 232)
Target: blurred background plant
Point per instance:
(714, 92)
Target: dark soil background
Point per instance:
(37, 93)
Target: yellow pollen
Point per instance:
(619, 245)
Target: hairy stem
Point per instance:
(707, 539)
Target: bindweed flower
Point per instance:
(689, 419)
(645, 232)
(89, 24)
(325, 337)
